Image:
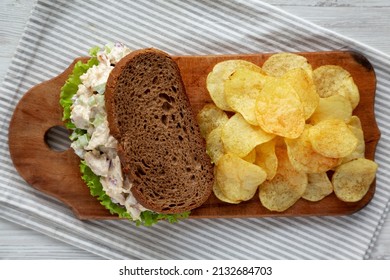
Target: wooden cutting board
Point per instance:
(57, 173)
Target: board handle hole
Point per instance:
(57, 138)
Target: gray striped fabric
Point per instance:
(59, 31)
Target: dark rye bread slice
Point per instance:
(160, 146)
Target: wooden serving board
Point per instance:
(57, 173)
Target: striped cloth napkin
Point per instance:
(59, 31)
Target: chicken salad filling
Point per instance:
(96, 146)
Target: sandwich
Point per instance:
(140, 148)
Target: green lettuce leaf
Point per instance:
(148, 218)
(71, 86)
(96, 189)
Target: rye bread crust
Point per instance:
(160, 146)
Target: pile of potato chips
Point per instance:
(277, 130)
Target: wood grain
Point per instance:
(57, 173)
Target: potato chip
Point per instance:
(240, 138)
(221, 72)
(290, 126)
(220, 195)
(335, 80)
(214, 145)
(332, 138)
(318, 187)
(251, 157)
(286, 188)
(355, 122)
(209, 118)
(279, 110)
(278, 64)
(279, 141)
(352, 180)
(305, 88)
(266, 158)
(356, 128)
(287, 169)
(238, 179)
(304, 158)
(279, 194)
(332, 107)
(241, 91)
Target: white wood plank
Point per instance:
(330, 3)
(364, 21)
(13, 17)
(17, 242)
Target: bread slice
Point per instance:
(160, 146)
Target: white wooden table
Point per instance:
(367, 21)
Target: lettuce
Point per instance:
(71, 86)
(92, 180)
(148, 218)
(96, 189)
